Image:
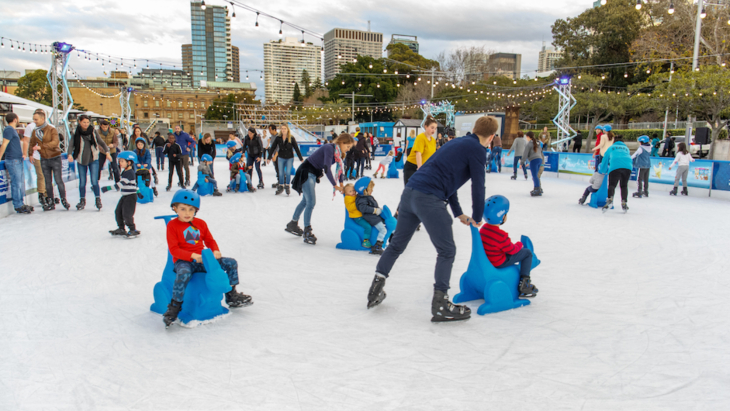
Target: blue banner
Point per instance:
(577, 163)
(220, 150)
(382, 150)
(721, 176)
(551, 162)
(699, 172)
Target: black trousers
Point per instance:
(113, 164)
(619, 176)
(408, 170)
(641, 180)
(576, 149)
(177, 167)
(125, 211)
(257, 166)
(53, 168)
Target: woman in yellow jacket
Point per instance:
(423, 149)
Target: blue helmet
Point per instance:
(128, 155)
(188, 197)
(495, 208)
(607, 128)
(231, 144)
(142, 139)
(362, 184)
(235, 158)
(644, 139)
(206, 157)
(599, 127)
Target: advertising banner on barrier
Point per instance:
(576, 163)
(4, 184)
(721, 176)
(220, 150)
(551, 162)
(508, 160)
(382, 150)
(699, 172)
(31, 180)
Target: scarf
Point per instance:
(339, 174)
(39, 131)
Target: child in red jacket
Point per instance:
(498, 246)
(186, 238)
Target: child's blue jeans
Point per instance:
(184, 271)
(523, 258)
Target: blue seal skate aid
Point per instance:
(242, 187)
(145, 193)
(393, 170)
(399, 164)
(493, 164)
(598, 199)
(204, 189)
(497, 286)
(293, 170)
(203, 294)
(353, 235)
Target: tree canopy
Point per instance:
(34, 86)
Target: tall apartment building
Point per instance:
(284, 62)
(236, 64)
(344, 45)
(547, 59)
(212, 54)
(410, 41)
(187, 58)
(165, 78)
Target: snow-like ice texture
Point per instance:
(632, 312)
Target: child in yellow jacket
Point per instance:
(355, 214)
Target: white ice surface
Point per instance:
(632, 312)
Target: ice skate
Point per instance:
(583, 199)
(624, 207)
(173, 309)
(81, 205)
(376, 295)
(673, 192)
(535, 193)
(234, 299)
(366, 243)
(279, 189)
(526, 288)
(646, 193)
(377, 249)
(309, 236)
(217, 193)
(609, 203)
(514, 177)
(287, 188)
(684, 191)
(23, 210)
(65, 203)
(118, 232)
(98, 203)
(260, 186)
(168, 188)
(293, 227)
(444, 310)
(637, 194)
(275, 185)
(154, 191)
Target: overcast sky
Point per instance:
(155, 29)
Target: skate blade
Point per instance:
(377, 302)
(242, 305)
(440, 319)
(293, 233)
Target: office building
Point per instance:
(284, 62)
(344, 45)
(236, 64)
(187, 58)
(548, 58)
(211, 51)
(165, 78)
(410, 41)
(505, 64)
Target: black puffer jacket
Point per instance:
(253, 146)
(361, 149)
(285, 148)
(367, 205)
(206, 148)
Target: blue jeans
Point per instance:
(598, 160)
(535, 169)
(416, 208)
(17, 181)
(93, 170)
(309, 200)
(210, 180)
(365, 226)
(381, 231)
(238, 179)
(523, 258)
(497, 155)
(285, 167)
(516, 164)
(160, 157)
(184, 271)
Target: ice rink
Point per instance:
(631, 314)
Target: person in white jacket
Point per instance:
(683, 159)
(384, 163)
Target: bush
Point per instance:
(633, 135)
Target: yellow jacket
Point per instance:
(351, 207)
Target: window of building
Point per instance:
(157, 103)
(192, 116)
(169, 115)
(179, 115)
(179, 104)
(169, 103)
(145, 104)
(146, 115)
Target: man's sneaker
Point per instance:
(444, 310)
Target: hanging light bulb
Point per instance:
(202, 5)
(671, 8)
(354, 59)
(648, 71)
(2, 44)
(234, 11)
(603, 2)
(257, 19)
(11, 45)
(303, 44)
(246, 74)
(626, 74)
(371, 65)
(638, 4)
(281, 26)
(703, 14)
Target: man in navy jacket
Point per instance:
(184, 140)
(424, 200)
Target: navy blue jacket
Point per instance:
(183, 139)
(450, 168)
(367, 205)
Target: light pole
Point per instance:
(352, 96)
(102, 108)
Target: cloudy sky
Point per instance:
(155, 29)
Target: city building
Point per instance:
(165, 78)
(344, 45)
(505, 64)
(410, 41)
(187, 58)
(236, 64)
(548, 58)
(212, 55)
(284, 62)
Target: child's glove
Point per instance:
(378, 211)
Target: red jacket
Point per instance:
(186, 239)
(598, 141)
(497, 244)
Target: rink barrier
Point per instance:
(497, 286)
(68, 172)
(353, 235)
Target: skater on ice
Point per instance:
(518, 147)
(617, 164)
(533, 156)
(124, 212)
(384, 163)
(186, 238)
(84, 150)
(205, 167)
(283, 148)
(45, 138)
(424, 200)
(642, 163)
(144, 163)
(682, 160)
(174, 159)
(239, 171)
(370, 213)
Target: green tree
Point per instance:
(223, 106)
(401, 53)
(34, 86)
(307, 83)
(601, 35)
(297, 97)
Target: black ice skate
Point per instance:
(275, 185)
(133, 232)
(279, 189)
(377, 248)
(81, 205)
(536, 193)
(288, 189)
(444, 310)
(309, 236)
(376, 295)
(684, 191)
(526, 288)
(261, 185)
(168, 188)
(118, 232)
(234, 299)
(609, 203)
(98, 203)
(583, 199)
(293, 227)
(23, 210)
(646, 193)
(624, 207)
(154, 190)
(637, 194)
(217, 193)
(514, 177)
(65, 203)
(173, 309)
(673, 192)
